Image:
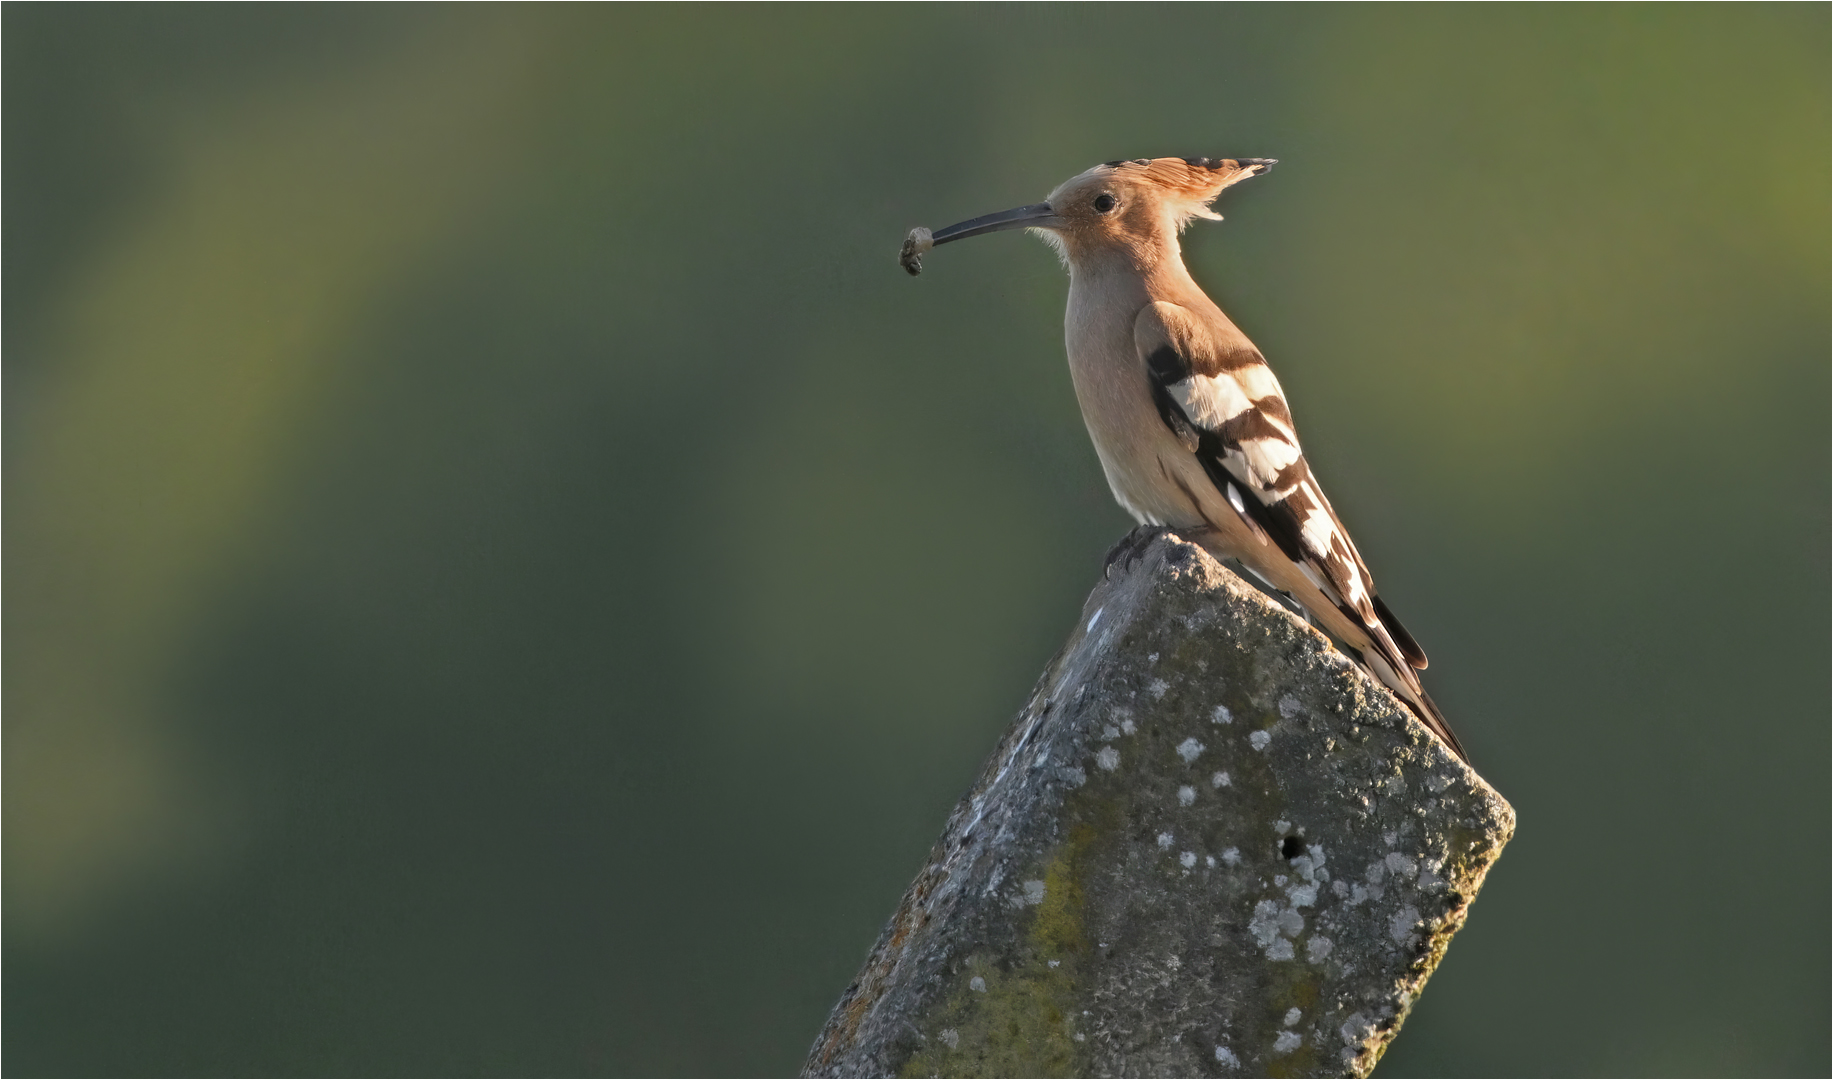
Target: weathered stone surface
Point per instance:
(1209, 845)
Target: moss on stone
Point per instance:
(1019, 1021)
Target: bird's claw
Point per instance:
(1130, 547)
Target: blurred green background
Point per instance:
(505, 575)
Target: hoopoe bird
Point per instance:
(1190, 423)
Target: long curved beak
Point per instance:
(1038, 215)
(920, 240)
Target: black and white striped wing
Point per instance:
(1227, 407)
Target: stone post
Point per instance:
(1209, 845)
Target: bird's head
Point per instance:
(1130, 208)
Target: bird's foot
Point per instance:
(1130, 548)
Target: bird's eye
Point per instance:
(1104, 203)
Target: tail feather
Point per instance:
(1409, 648)
(1401, 679)
(1429, 714)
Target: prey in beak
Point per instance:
(920, 240)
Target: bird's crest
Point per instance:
(1190, 184)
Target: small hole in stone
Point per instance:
(1292, 848)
